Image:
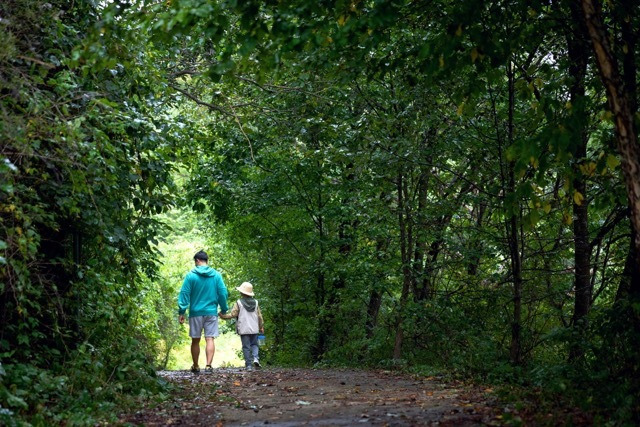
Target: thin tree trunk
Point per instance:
(419, 277)
(406, 268)
(373, 308)
(516, 271)
(428, 283)
(420, 239)
(321, 292)
(578, 54)
(474, 264)
(375, 295)
(321, 337)
(514, 245)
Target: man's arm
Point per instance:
(223, 294)
(233, 313)
(184, 298)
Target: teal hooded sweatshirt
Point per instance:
(202, 291)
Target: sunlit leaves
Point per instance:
(612, 161)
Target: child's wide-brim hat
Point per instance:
(246, 288)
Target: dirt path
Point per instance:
(292, 397)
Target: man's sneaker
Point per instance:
(195, 369)
(208, 369)
(248, 368)
(256, 363)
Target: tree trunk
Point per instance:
(406, 268)
(375, 295)
(373, 308)
(321, 295)
(321, 335)
(516, 271)
(619, 103)
(630, 275)
(474, 263)
(578, 49)
(514, 245)
(622, 102)
(630, 280)
(421, 240)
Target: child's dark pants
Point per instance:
(249, 348)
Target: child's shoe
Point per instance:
(195, 369)
(208, 369)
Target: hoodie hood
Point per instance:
(204, 271)
(249, 304)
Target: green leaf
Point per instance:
(14, 401)
(612, 161)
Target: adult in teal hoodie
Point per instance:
(202, 291)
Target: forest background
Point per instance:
(436, 186)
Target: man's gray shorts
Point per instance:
(208, 323)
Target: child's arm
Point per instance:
(260, 321)
(233, 313)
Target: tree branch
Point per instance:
(201, 102)
(620, 215)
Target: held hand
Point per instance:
(181, 319)
(262, 330)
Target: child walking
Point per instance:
(248, 325)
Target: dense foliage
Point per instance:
(432, 185)
(85, 168)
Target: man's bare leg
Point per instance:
(195, 350)
(210, 349)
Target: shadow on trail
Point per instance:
(292, 397)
